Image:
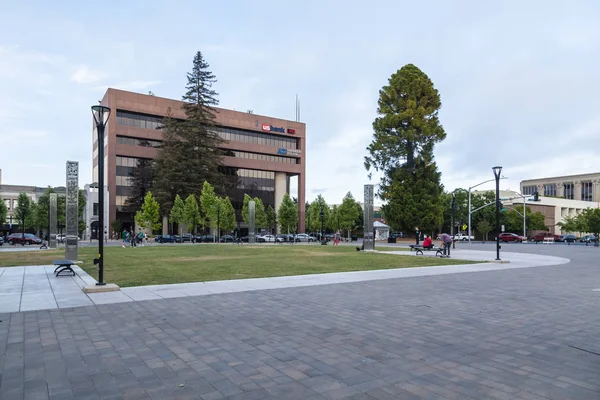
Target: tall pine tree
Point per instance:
(190, 153)
(405, 133)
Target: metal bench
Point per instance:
(63, 266)
(419, 249)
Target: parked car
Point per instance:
(397, 235)
(187, 237)
(543, 235)
(512, 237)
(1, 240)
(168, 239)
(589, 239)
(61, 238)
(463, 237)
(304, 237)
(18, 238)
(271, 239)
(157, 238)
(567, 238)
(285, 238)
(227, 239)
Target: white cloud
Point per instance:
(86, 75)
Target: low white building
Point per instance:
(382, 231)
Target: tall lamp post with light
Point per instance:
(470, 213)
(497, 171)
(101, 114)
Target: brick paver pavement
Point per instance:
(512, 334)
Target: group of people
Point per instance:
(132, 239)
(444, 238)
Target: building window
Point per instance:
(95, 209)
(586, 191)
(138, 120)
(550, 190)
(569, 193)
(7, 202)
(132, 141)
(261, 157)
(264, 139)
(15, 204)
(529, 190)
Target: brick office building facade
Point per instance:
(263, 151)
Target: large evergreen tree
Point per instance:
(405, 133)
(189, 152)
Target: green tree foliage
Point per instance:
(148, 216)
(270, 216)
(571, 224)
(177, 214)
(23, 212)
(116, 226)
(81, 203)
(461, 206)
(208, 204)
(405, 133)
(315, 213)
(348, 212)
(189, 153)
(484, 227)
(247, 199)
(260, 215)
(590, 221)
(140, 180)
(3, 212)
(192, 215)
(287, 214)
(227, 215)
(333, 223)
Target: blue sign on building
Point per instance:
(282, 151)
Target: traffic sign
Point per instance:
(464, 227)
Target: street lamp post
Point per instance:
(497, 171)
(322, 220)
(470, 213)
(453, 211)
(101, 114)
(219, 222)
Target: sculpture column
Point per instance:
(368, 237)
(72, 211)
(52, 211)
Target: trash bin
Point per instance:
(392, 239)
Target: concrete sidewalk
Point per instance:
(36, 288)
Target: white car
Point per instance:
(272, 239)
(304, 237)
(463, 237)
(61, 238)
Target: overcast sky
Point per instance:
(518, 79)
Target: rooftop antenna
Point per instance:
(150, 93)
(297, 109)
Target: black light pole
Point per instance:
(219, 222)
(101, 114)
(308, 224)
(497, 171)
(322, 221)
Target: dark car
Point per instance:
(588, 239)
(227, 239)
(567, 238)
(397, 235)
(19, 238)
(157, 238)
(544, 235)
(186, 237)
(285, 238)
(1, 240)
(512, 237)
(168, 239)
(208, 239)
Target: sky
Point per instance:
(517, 79)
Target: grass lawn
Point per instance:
(153, 265)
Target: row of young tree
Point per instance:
(348, 216)
(588, 221)
(207, 210)
(33, 216)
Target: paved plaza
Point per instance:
(507, 332)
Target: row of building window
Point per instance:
(145, 121)
(132, 141)
(138, 120)
(550, 190)
(7, 202)
(262, 157)
(123, 161)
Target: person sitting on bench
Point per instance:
(427, 243)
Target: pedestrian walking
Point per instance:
(132, 238)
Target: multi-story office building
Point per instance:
(585, 187)
(263, 151)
